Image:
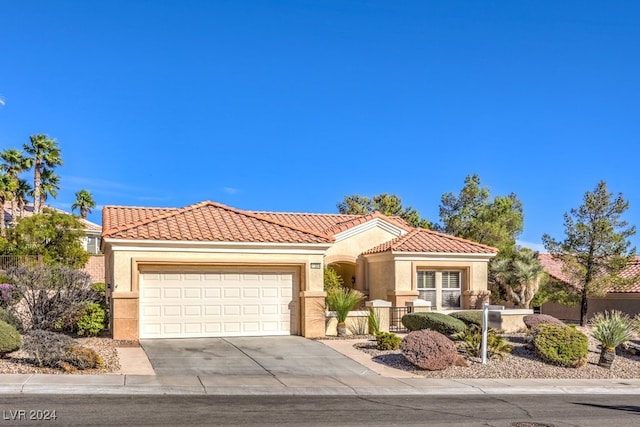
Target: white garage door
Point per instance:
(216, 304)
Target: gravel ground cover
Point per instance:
(521, 363)
(19, 363)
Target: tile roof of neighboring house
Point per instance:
(554, 268)
(28, 211)
(423, 240)
(330, 223)
(205, 221)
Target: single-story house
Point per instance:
(625, 299)
(91, 241)
(210, 270)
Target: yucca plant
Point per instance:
(470, 341)
(611, 328)
(342, 301)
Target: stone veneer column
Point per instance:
(380, 309)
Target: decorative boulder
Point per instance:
(428, 349)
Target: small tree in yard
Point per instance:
(521, 275)
(596, 247)
(57, 237)
(47, 292)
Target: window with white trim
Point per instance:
(427, 286)
(441, 288)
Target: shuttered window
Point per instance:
(448, 283)
(427, 286)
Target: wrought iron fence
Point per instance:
(7, 261)
(395, 318)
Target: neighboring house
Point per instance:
(91, 242)
(209, 270)
(624, 299)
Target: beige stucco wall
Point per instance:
(123, 269)
(626, 302)
(354, 245)
(393, 277)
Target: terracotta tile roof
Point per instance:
(554, 268)
(205, 221)
(422, 240)
(330, 224)
(28, 212)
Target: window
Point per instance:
(92, 244)
(450, 289)
(445, 286)
(427, 286)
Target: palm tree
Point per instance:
(520, 274)
(44, 153)
(22, 191)
(49, 186)
(84, 202)
(7, 187)
(13, 163)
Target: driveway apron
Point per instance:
(270, 356)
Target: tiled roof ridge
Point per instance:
(177, 211)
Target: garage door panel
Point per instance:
(210, 304)
(171, 311)
(171, 293)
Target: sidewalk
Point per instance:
(137, 377)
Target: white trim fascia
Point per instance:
(374, 223)
(215, 247)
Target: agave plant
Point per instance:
(611, 328)
(342, 301)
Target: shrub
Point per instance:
(438, 322)
(561, 345)
(471, 342)
(387, 341)
(48, 292)
(428, 349)
(92, 321)
(10, 318)
(374, 322)
(532, 321)
(83, 358)
(9, 338)
(332, 280)
(8, 295)
(469, 317)
(47, 348)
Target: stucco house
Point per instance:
(625, 299)
(210, 270)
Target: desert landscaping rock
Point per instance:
(19, 363)
(520, 364)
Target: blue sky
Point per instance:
(290, 105)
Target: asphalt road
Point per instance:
(459, 410)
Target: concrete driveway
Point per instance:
(255, 356)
